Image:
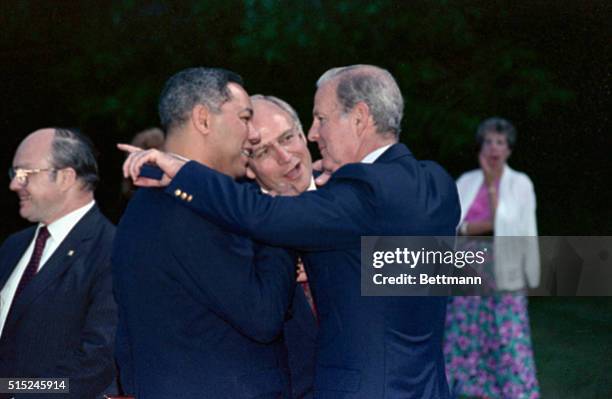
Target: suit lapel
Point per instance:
(16, 252)
(64, 256)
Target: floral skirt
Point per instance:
(488, 347)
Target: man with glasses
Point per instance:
(57, 314)
(281, 164)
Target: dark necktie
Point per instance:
(32, 267)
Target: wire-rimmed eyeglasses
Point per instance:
(22, 175)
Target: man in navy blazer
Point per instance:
(368, 347)
(201, 310)
(57, 313)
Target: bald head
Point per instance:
(36, 143)
(268, 116)
(54, 171)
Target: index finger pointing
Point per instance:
(128, 147)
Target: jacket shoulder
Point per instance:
(352, 170)
(25, 234)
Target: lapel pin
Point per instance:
(71, 252)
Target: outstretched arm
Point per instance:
(333, 217)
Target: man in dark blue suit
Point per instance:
(201, 310)
(57, 313)
(368, 347)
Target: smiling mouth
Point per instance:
(294, 172)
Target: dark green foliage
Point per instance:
(100, 66)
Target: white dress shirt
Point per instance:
(58, 230)
(373, 156)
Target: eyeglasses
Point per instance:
(22, 175)
(285, 140)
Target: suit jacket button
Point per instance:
(189, 198)
(184, 196)
(177, 192)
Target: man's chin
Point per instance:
(239, 171)
(290, 191)
(27, 215)
(329, 165)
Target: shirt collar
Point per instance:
(311, 186)
(373, 156)
(59, 229)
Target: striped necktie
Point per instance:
(32, 267)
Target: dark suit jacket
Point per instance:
(300, 334)
(368, 347)
(201, 310)
(63, 323)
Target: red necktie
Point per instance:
(306, 287)
(32, 267)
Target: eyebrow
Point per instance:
(255, 148)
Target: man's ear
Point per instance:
(66, 177)
(200, 118)
(361, 117)
(250, 173)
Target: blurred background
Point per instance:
(545, 65)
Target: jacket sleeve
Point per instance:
(333, 217)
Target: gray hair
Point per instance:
(71, 149)
(193, 86)
(282, 104)
(496, 125)
(374, 86)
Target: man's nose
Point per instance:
(282, 155)
(14, 184)
(313, 133)
(253, 135)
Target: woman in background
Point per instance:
(149, 138)
(488, 342)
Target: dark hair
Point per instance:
(193, 86)
(71, 149)
(497, 125)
